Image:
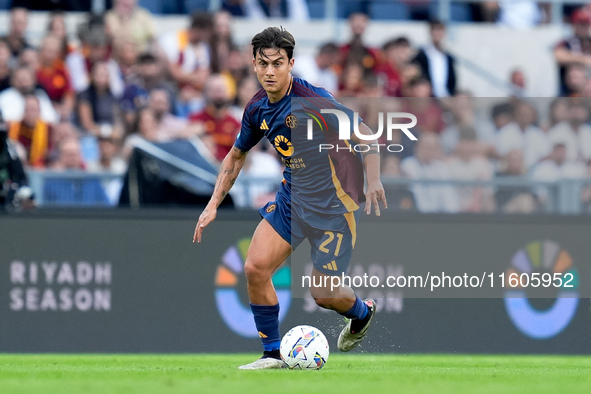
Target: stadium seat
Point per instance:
(176, 7)
(317, 9)
(154, 6)
(388, 10)
(194, 5)
(459, 12)
(348, 7)
(74, 192)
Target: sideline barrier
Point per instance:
(125, 281)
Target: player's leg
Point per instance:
(343, 300)
(331, 254)
(267, 251)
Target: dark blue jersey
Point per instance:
(322, 180)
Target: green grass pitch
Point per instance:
(355, 373)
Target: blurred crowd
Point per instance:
(82, 103)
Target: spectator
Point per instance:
(53, 77)
(576, 80)
(488, 11)
(464, 113)
(469, 164)
(60, 131)
(32, 133)
(559, 112)
(523, 134)
(215, 123)
(188, 53)
(397, 54)
(518, 83)
(109, 160)
(5, 66)
(68, 191)
(149, 76)
(356, 51)
(16, 35)
(514, 198)
(574, 49)
(56, 27)
(238, 68)
(144, 129)
(29, 58)
(127, 19)
(408, 74)
(70, 157)
(12, 100)
(502, 115)
(555, 168)
(125, 54)
(168, 127)
(574, 134)
(96, 105)
(424, 107)
(221, 41)
(94, 49)
(372, 107)
(425, 164)
(437, 64)
(319, 70)
(351, 80)
(247, 88)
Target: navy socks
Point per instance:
(359, 310)
(266, 319)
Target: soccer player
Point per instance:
(319, 198)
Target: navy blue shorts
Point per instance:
(332, 236)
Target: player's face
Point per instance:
(273, 70)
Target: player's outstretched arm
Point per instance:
(229, 170)
(375, 190)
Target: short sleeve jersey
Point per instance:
(317, 177)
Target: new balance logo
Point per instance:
(332, 266)
(264, 125)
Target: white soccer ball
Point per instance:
(304, 347)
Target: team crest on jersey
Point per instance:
(291, 121)
(270, 209)
(283, 145)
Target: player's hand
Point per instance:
(207, 216)
(375, 193)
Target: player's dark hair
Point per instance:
(273, 38)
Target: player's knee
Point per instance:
(255, 272)
(321, 297)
